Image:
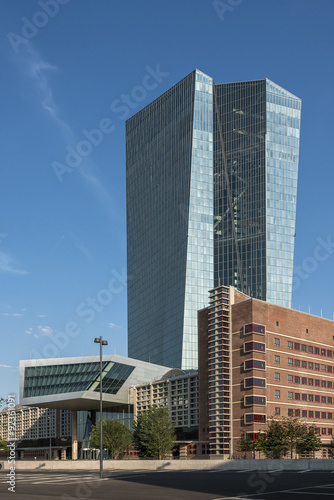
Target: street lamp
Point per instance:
(49, 421)
(99, 340)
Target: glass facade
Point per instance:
(256, 128)
(282, 153)
(169, 222)
(211, 201)
(75, 377)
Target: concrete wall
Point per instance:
(94, 465)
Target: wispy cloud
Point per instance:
(38, 71)
(29, 331)
(5, 366)
(8, 265)
(111, 325)
(45, 331)
(11, 314)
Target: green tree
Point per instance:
(331, 448)
(154, 434)
(273, 441)
(116, 437)
(296, 433)
(287, 435)
(245, 443)
(311, 442)
(3, 445)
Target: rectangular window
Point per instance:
(297, 346)
(329, 369)
(255, 382)
(255, 400)
(277, 360)
(290, 362)
(310, 381)
(310, 366)
(254, 328)
(276, 342)
(297, 363)
(304, 397)
(329, 416)
(254, 364)
(323, 352)
(304, 347)
(330, 431)
(310, 414)
(310, 397)
(277, 411)
(317, 382)
(317, 399)
(290, 412)
(304, 380)
(323, 399)
(316, 366)
(290, 378)
(297, 413)
(323, 431)
(317, 414)
(277, 377)
(290, 395)
(304, 364)
(330, 400)
(304, 413)
(316, 350)
(323, 368)
(297, 380)
(323, 383)
(329, 354)
(323, 414)
(254, 346)
(310, 349)
(297, 396)
(250, 418)
(290, 345)
(277, 394)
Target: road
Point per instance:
(163, 485)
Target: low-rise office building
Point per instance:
(258, 360)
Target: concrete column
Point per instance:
(63, 454)
(74, 435)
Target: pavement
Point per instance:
(177, 485)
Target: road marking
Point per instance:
(125, 476)
(303, 471)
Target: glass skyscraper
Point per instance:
(211, 200)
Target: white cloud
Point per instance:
(7, 265)
(29, 331)
(42, 315)
(5, 366)
(111, 325)
(45, 330)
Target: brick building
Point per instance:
(258, 360)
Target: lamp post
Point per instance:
(49, 420)
(99, 340)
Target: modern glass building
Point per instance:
(74, 384)
(169, 147)
(211, 200)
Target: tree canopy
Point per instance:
(116, 437)
(154, 434)
(287, 435)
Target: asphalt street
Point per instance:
(176, 485)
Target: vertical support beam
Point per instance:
(74, 435)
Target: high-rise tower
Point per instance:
(211, 200)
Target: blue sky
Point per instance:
(67, 68)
